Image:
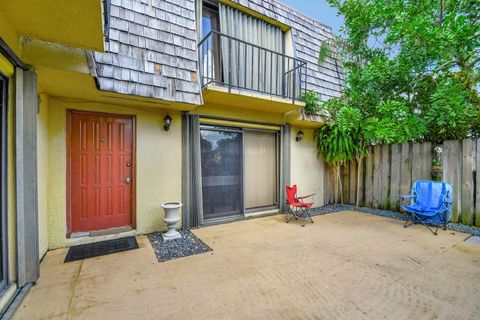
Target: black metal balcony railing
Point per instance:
(235, 63)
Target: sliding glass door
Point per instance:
(239, 171)
(221, 172)
(3, 180)
(261, 170)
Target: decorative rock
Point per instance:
(187, 245)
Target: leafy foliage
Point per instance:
(334, 144)
(450, 115)
(412, 74)
(325, 51)
(412, 68)
(312, 102)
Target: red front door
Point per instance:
(101, 161)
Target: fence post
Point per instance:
(395, 176)
(385, 177)
(467, 182)
(369, 178)
(477, 183)
(377, 175)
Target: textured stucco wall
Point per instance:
(159, 165)
(42, 174)
(8, 34)
(306, 169)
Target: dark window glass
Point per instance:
(210, 48)
(221, 173)
(210, 19)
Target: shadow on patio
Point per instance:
(346, 265)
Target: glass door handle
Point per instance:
(127, 180)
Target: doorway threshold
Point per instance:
(102, 232)
(101, 235)
(215, 221)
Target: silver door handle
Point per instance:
(127, 180)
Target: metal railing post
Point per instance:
(283, 77)
(288, 78)
(294, 89)
(200, 64)
(229, 64)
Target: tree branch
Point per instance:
(473, 63)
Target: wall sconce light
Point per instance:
(299, 136)
(167, 122)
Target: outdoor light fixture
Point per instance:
(167, 122)
(299, 136)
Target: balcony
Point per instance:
(259, 78)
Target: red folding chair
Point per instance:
(296, 206)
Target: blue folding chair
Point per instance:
(430, 204)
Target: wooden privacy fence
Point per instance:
(390, 170)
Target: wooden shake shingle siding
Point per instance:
(152, 49)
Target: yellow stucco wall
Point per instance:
(42, 174)
(306, 169)
(8, 34)
(228, 112)
(159, 165)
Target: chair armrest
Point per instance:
(303, 197)
(402, 198)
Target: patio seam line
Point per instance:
(74, 287)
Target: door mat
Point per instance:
(188, 245)
(101, 248)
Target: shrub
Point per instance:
(312, 102)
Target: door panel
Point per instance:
(101, 164)
(221, 173)
(261, 179)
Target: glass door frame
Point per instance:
(277, 178)
(278, 150)
(4, 88)
(241, 213)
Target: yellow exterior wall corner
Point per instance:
(42, 174)
(307, 170)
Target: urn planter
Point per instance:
(172, 216)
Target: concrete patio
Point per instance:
(346, 265)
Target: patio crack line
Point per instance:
(74, 287)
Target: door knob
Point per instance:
(128, 180)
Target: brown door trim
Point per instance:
(70, 112)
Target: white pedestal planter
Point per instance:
(172, 216)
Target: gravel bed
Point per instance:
(188, 245)
(475, 231)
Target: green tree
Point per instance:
(451, 114)
(340, 141)
(397, 54)
(412, 74)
